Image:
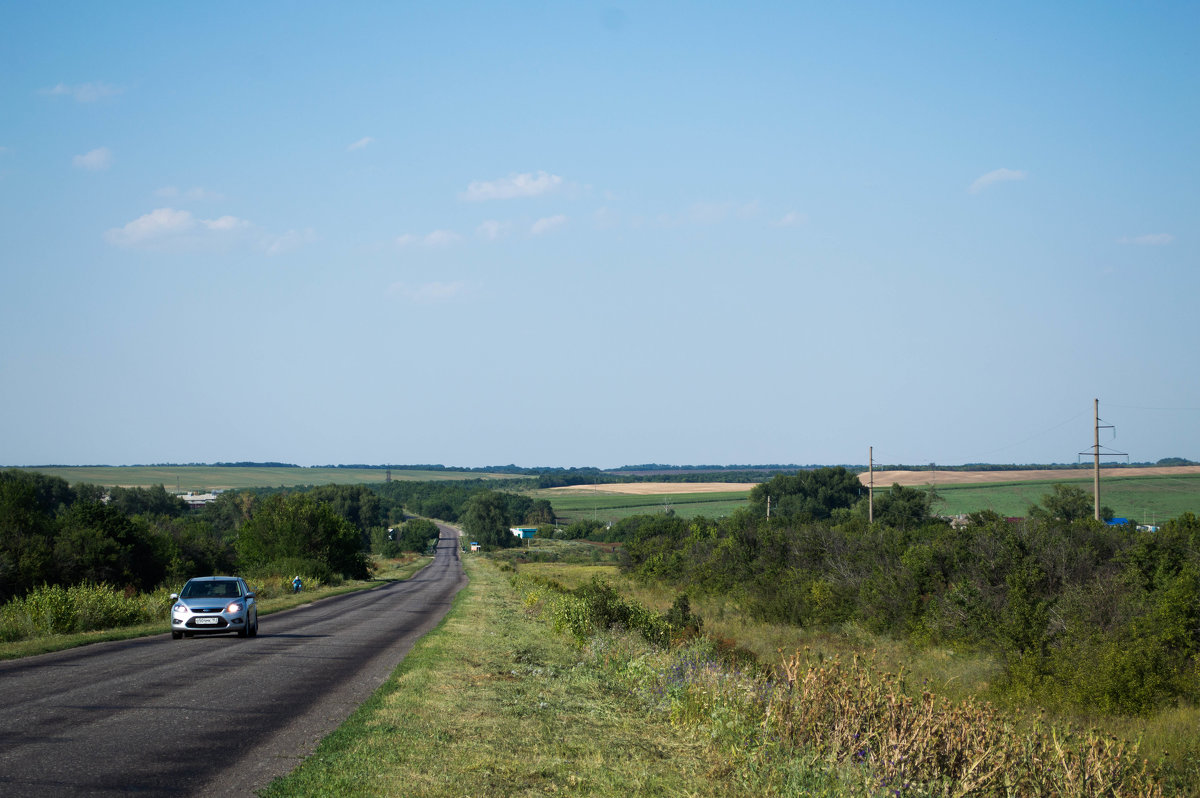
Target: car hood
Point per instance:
(207, 603)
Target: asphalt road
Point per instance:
(209, 715)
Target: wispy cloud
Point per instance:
(289, 241)
(431, 292)
(545, 225)
(1149, 240)
(437, 238)
(84, 92)
(792, 219)
(170, 227)
(996, 176)
(493, 229)
(360, 144)
(94, 161)
(196, 194)
(526, 184)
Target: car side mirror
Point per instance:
(250, 594)
(174, 596)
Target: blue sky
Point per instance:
(569, 234)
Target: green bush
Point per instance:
(54, 609)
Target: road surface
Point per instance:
(209, 715)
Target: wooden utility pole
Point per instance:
(1096, 456)
(871, 485)
(1096, 427)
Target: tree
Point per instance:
(484, 520)
(1065, 503)
(300, 527)
(903, 508)
(807, 495)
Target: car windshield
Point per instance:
(225, 588)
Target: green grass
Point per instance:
(205, 478)
(493, 703)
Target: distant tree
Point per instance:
(1065, 503)
(540, 512)
(484, 520)
(903, 508)
(807, 495)
(416, 534)
(147, 501)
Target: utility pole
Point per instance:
(1096, 427)
(768, 505)
(871, 485)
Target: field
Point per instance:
(1148, 495)
(612, 502)
(206, 478)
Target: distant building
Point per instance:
(197, 500)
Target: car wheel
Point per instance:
(176, 635)
(254, 629)
(245, 630)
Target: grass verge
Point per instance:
(493, 703)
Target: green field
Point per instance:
(579, 506)
(1147, 499)
(205, 478)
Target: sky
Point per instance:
(598, 234)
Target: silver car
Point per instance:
(213, 605)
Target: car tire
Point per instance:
(176, 635)
(254, 629)
(245, 630)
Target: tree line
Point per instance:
(53, 533)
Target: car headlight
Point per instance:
(179, 608)
(235, 606)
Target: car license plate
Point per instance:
(206, 620)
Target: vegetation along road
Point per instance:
(219, 715)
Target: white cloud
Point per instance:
(430, 292)
(84, 92)
(360, 144)
(225, 223)
(996, 176)
(493, 229)
(437, 238)
(792, 219)
(96, 160)
(170, 227)
(292, 239)
(542, 226)
(511, 187)
(1149, 240)
(195, 193)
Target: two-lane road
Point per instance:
(218, 715)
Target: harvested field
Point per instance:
(922, 478)
(884, 479)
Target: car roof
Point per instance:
(215, 579)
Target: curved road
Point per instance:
(218, 715)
